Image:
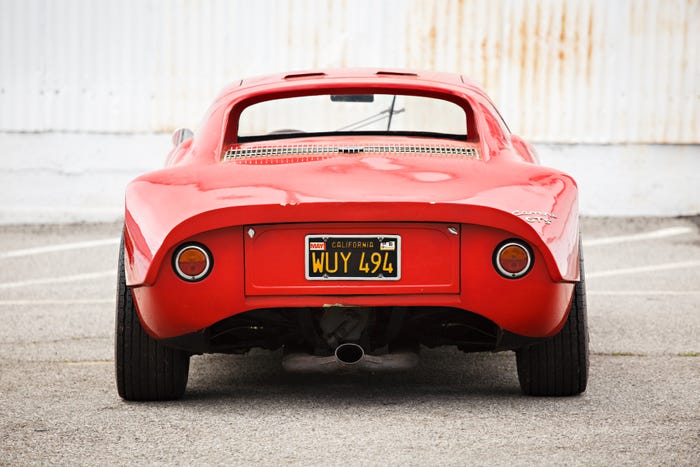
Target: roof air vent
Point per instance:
(314, 74)
(395, 73)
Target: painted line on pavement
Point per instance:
(62, 247)
(655, 234)
(643, 269)
(59, 280)
(89, 362)
(644, 293)
(86, 301)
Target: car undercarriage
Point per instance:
(377, 331)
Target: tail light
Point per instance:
(192, 262)
(513, 259)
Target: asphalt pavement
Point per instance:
(59, 405)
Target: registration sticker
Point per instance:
(387, 246)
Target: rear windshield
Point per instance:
(319, 115)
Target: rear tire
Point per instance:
(145, 369)
(559, 366)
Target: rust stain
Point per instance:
(484, 61)
(684, 41)
(562, 57)
(523, 46)
(432, 41)
(634, 27)
(562, 33)
(290, 37)
(589, 50)
(460, 13)
(536, 38)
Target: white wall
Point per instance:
(565, 71)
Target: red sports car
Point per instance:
(350, 217)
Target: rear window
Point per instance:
(321, 115)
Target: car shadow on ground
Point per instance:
(258, 377)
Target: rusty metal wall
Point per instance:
(568, 71)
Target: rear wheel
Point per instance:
(559, 366)
(146, 370)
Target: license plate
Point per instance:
(353, 257)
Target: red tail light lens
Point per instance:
(192, 262)
(512, 259)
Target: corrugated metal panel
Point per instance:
(573, 71)
(561, 71)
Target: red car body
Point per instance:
(253, 214)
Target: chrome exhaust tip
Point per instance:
(349, 354)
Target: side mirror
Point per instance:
(180, 135)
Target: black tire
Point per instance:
(146, 370)
(559, 366)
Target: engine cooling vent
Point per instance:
(302, 149)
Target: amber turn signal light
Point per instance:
(512, 259)
(192, 262)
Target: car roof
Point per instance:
(365, 76)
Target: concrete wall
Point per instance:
(75, 177)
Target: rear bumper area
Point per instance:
(457, 272)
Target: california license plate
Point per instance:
(353, 257)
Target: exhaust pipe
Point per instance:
(349, 356)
